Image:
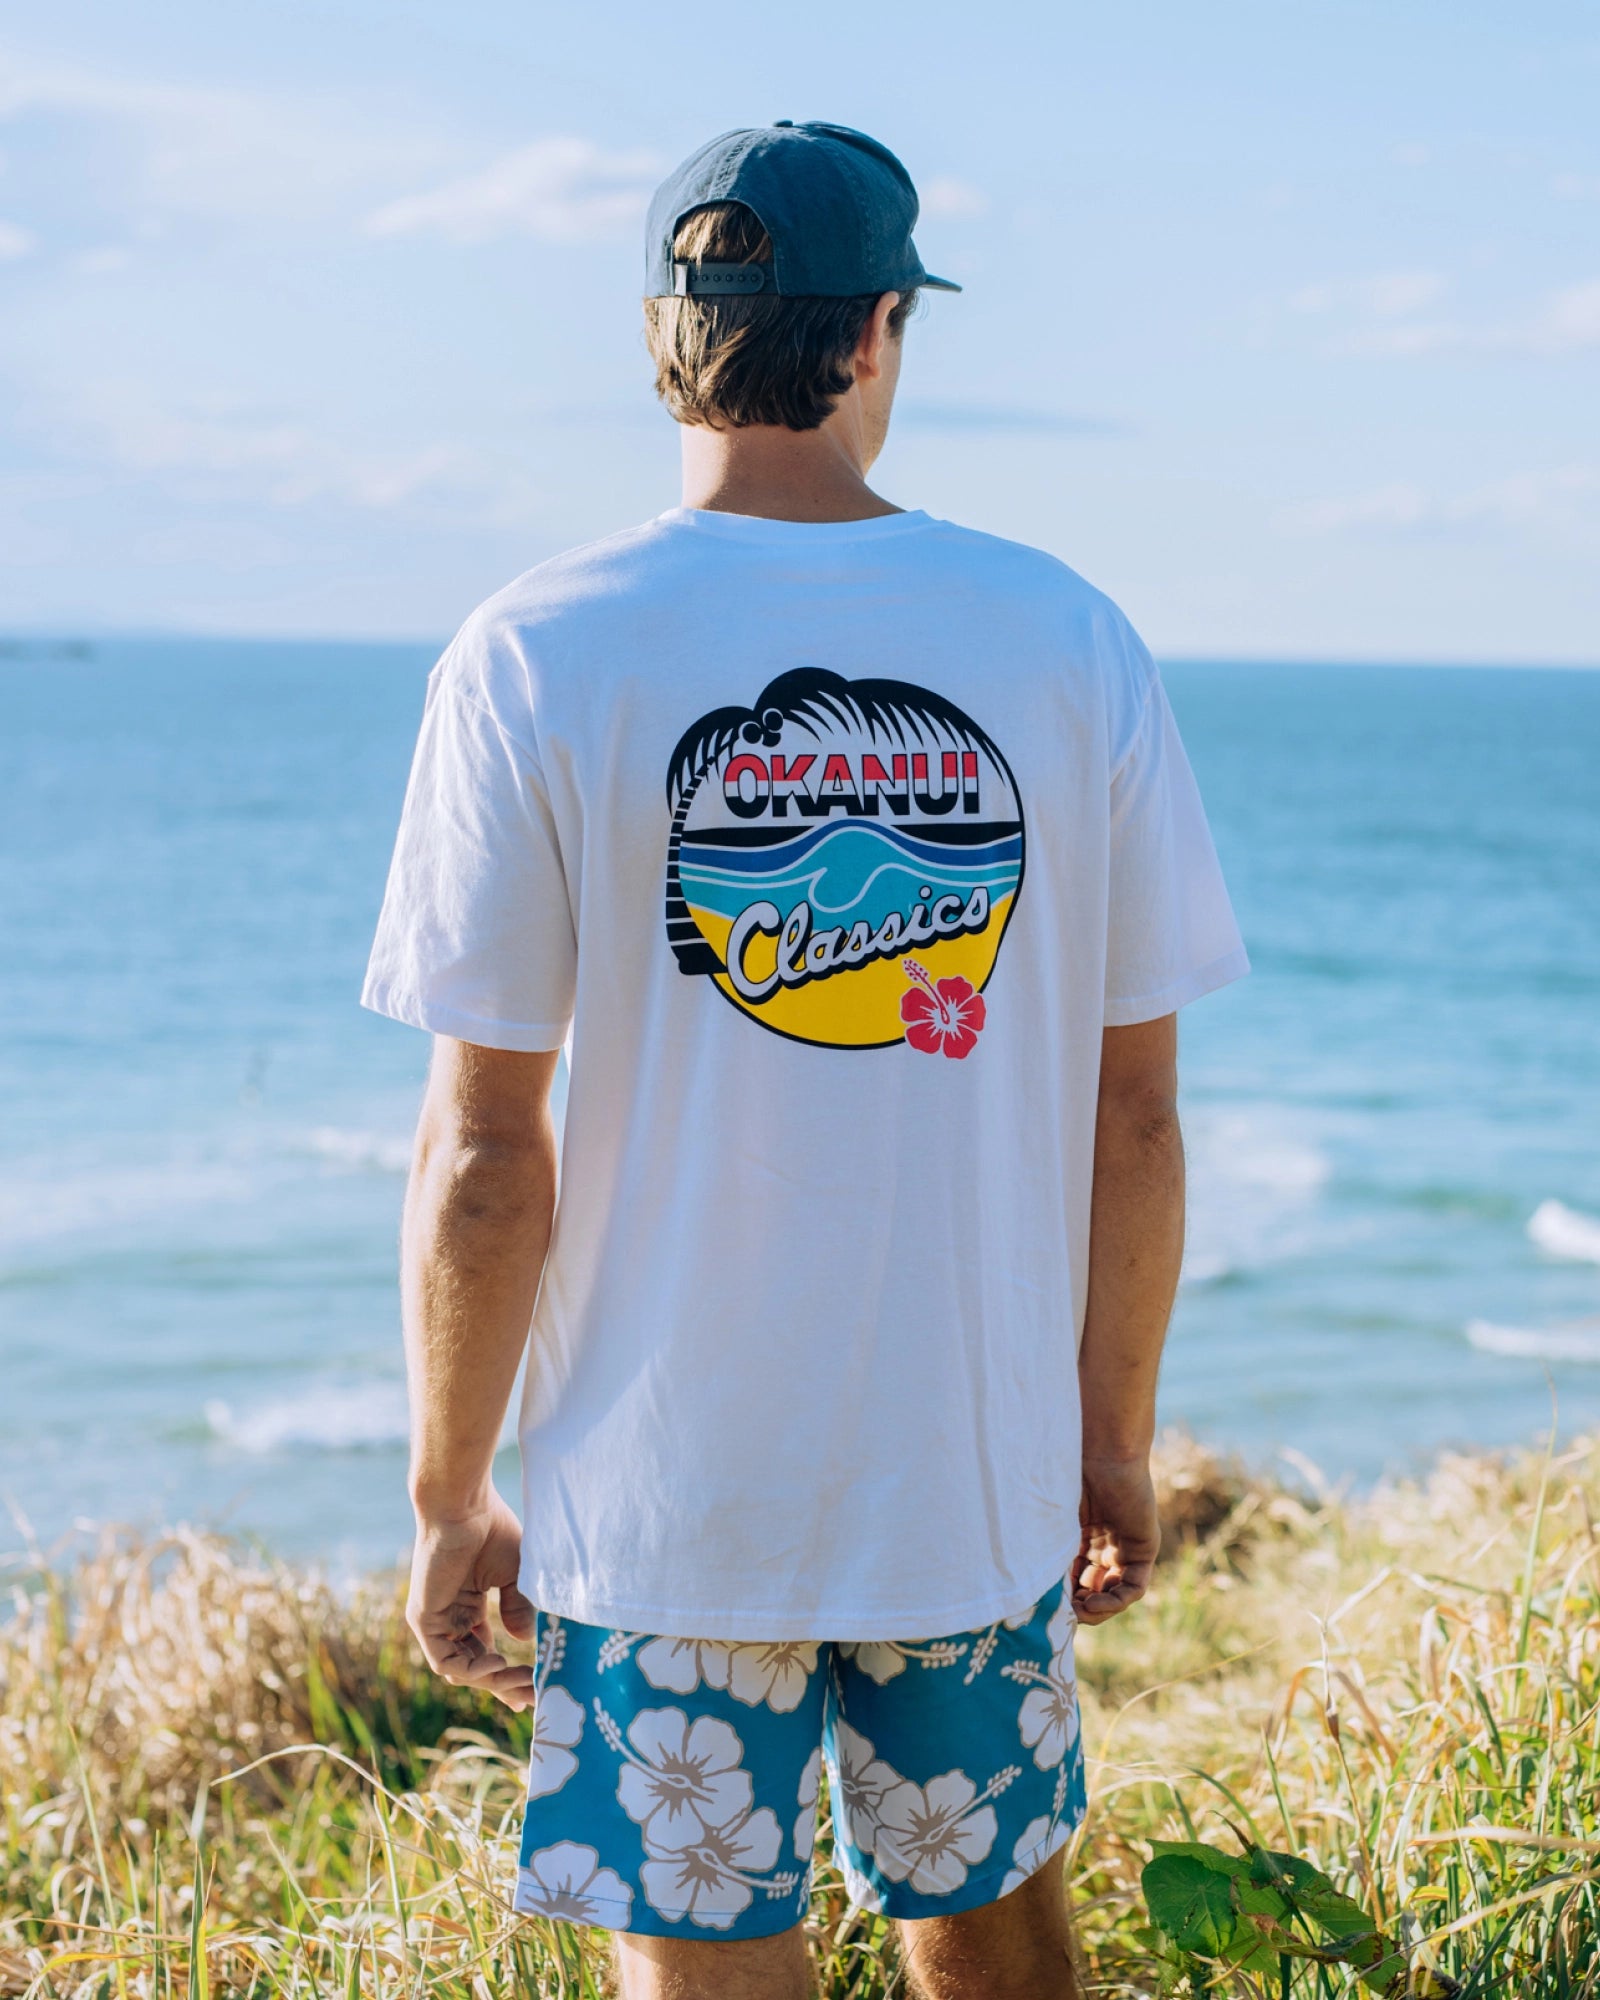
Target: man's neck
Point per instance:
(780, 474)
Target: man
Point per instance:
(854, 859)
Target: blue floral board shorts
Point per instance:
(673, 1785)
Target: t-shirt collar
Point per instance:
(762, 528)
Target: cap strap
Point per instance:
(710, 281)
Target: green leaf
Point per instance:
(1339, 1915)
(1255, 1899)
(1192, 1903)
(1340, 1952)
(1214, 1858)
(1313, 1897)
(1289, 1872)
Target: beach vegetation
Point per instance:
(1369, 1724)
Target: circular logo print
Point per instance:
(843, 861)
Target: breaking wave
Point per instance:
(1565, 1232)
(370, 1152)
(326, 1417)
(1577, 1341)
(1254, 1183)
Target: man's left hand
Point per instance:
(1121, 1538)
(454, 1566)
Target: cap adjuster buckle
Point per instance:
(701, 281)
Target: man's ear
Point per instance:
(874, 336)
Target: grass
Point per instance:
(220, 1777)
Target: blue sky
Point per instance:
(1282, 324)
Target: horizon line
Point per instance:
(65, 643)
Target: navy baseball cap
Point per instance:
(838, 207)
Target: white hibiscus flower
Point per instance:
(557, 1725)
(805, 1825)
(860, 1780)
(682, 1664)
(879, 1659)
(1048, 1717)
(1038, 1840)
(567, 1881)
(679, 1780)
(1048, 1721)
(1059, 1632)
(776, 1674)
(714, 1880)
(933, 1834)
(882, 1660)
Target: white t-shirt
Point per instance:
(827, 850)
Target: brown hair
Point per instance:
(761, 359)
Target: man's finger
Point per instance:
(516, 1613)
(443, 1625)
(467, 1663)
(495, 1674)
(1093, 1607)
(508, 1683)
(452, 1654)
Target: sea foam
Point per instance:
(1577, 1340)
(323, 1417)
(371, 1152)
(1254, 1182)
(1565, 1232)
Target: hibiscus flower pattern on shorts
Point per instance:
(942, 1016)
(679, 1778)
(675, 1783)
(713, 1881)
(883, 1659)
(1038, 1840)
(708, 1848)
(932, 1835)
(567, 1882)
(1048, 1718)
(771, 1675)
(557, 1727)
(805, 1824)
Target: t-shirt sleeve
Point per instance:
(476, 938)
(1172, 935)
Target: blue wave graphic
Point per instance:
(846, 872)
(763, 860)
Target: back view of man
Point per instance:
(854, 859)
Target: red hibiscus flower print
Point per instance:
(942, 1017)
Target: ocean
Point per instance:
(1394, 1124)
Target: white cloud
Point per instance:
(1565, 321)
(214, 445)
(1398, 505)
(15, 242)
(1569, 319)
(1412, 154)
(1386, 314)
(1390, 295)
(1562, 501)
(1576, 187)
(107, 257)
(946, 199)
(212, 150)
(561, 190)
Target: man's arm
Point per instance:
(1135, 1250)
(479, 1207)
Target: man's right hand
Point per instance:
(454, 1566)
(1121, 1538)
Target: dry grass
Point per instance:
(219, 1777)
